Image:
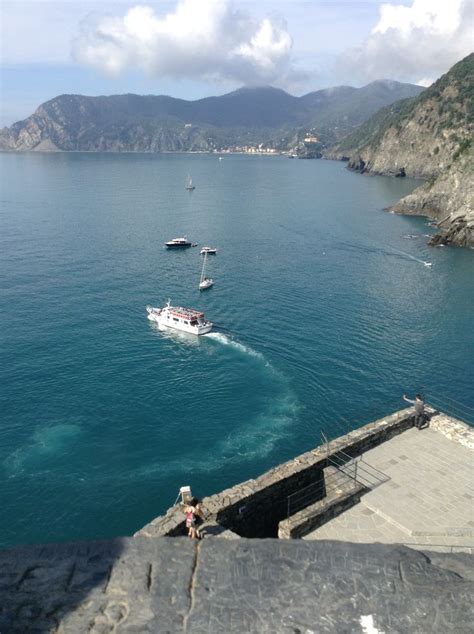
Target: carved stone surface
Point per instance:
(253, 586)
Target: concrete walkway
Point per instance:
(427, 500)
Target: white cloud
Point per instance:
(413, 43)
(425, 81)
(199, 39)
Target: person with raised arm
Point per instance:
(419, 409)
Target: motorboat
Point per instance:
(209, 250)
(178, 243)
(179, 318)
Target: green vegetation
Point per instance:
(374, 129)
(445, 105)
(462, 149)
(245, 117)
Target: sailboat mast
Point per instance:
(203, 267)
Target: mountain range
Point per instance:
(385, 127)
(248, 116)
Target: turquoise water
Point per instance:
(325, 315)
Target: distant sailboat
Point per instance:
(189, 184)
(205, 282)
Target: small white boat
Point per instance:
(178, 243)
(208, 250)
(179, 318)
(205, 282)
(189, 184)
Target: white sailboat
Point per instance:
(205, 282)
(189, 184)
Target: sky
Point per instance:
(196, 48)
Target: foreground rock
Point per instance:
(254, 586)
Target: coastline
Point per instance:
(434, 199)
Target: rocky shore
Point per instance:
(449, 200)
(427, 137)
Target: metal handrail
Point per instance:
(305, 496)
(451, 411)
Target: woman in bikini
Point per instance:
(192, 510)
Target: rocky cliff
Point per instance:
(248, 116)
(428, 137)
(449, 199)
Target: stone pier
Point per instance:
(398, 485)
(427, 500)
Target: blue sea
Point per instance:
(324, 312)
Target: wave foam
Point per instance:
(228, 341)
(252, 440)
(45, 444)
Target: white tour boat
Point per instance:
(185, 319)
(205, 282)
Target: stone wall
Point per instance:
(453, 429)
(341, 492)
(254, 508)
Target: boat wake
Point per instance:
(411, 257)
(252, 439)
(390, 251)
(43, 449)
(228, 341)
